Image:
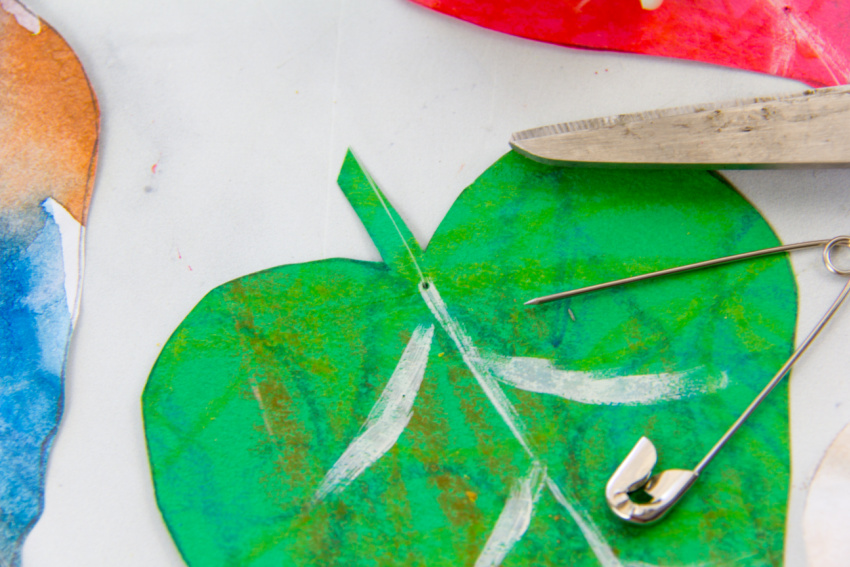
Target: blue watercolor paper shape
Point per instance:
(35, 327)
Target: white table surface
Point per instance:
(246, 109)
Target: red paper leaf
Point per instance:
(808, 40)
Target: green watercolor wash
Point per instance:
(271, 376)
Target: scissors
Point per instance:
(804, 130)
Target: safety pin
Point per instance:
(634, 475)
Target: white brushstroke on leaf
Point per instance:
(387, 419)
(480, 368)
(832, 59)
(797, 29)
(784, 46)
(591, 533)
(483, 374)
(539, 375)
(580, 5)
(515, 518)
(651, 4)
(258, 395)
(482, 371)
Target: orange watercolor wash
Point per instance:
(49, 121)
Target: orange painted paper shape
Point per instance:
(49, 122)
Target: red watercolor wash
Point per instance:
(807, 40)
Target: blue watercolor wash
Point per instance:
(35, 327)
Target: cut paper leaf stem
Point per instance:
(354, 413)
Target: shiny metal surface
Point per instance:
(804, 130)
(687, 268)
(831, 246)
(634, 474)
(666, 488)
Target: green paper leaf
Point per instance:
(415, 412)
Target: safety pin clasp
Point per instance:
(634, 476)
(632, 492)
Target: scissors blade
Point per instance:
(805, 130)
